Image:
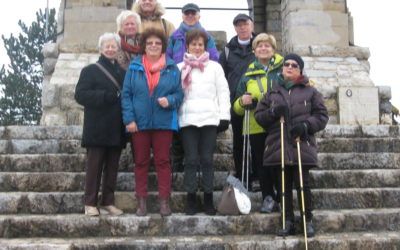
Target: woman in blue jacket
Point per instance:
(151, 96)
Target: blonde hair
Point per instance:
(264, 37)
(124, 15)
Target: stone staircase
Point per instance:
(356, 194)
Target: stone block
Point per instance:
(50, 50)
(53, 118)
(48, 65)
(320, 5)
(358, 105)
(50, 95)
(219, 38)
(386, 119)
(67, 100)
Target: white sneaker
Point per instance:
(91, 211)
(113, 210)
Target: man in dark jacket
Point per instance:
(235, 58)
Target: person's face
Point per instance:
(243, 29)
(264, 50)
(109, 49)
(153, 46)
(191, 18)
(291, 70)
(196, 47)
(148, 5)
(129, 27)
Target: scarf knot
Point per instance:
(190, 62)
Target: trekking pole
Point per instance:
(282, 120)
(302, 192)
(248, 153)
(244, 147)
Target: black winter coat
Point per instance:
(239, 59)
(102, 125)
(304, 103)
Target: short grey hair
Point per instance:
(109, 36)
(124, 15)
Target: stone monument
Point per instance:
(319, 30)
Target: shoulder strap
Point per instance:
(109, 76)
(260, 85)
(226, 52)
(164, 25)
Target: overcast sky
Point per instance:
(375, 27)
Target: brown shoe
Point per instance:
(141, 206)
(165, 210)
(112, 210)
(91, 211)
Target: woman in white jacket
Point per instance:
(204, 112)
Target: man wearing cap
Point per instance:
(176, 50)
(177, 42)
(235, 59)
(150, 12)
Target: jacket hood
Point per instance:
(158, 11)
(276, 62)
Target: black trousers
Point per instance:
(101, 161)
(292, 177)
(199, 145)
(237, 125)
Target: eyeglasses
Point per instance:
(154, 43)
(294, 65)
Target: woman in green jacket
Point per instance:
(251, 88)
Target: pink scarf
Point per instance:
(191, 62)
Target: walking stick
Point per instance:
(246, 145)
(282, 120)
(302, 192)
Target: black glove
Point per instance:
(281, 110)
(300, 130)
(111, 97)
(222, 126)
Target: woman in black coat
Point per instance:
(305, 113)
(103, 130)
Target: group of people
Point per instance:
(160, 88)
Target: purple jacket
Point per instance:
(177, 46)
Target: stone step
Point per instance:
(338, 241)
(222, 162)
(75, 132)
(77, 225)
(224, 146)
(72, 146)
(72, 202)
(75, 181)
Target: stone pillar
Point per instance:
(81, 22)
(316, 22)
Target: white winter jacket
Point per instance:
(206, 101)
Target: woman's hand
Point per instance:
(132, 127)
(163, 101)
(246, 99)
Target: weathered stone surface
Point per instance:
(48, 65)
(50, 50)
(364, 105)
(67, 226)
(340, 241)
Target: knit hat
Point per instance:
(296, 58)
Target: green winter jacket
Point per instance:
(248, 83)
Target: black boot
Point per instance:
(209, 204)
(289, 229)
(191, 204)
(310, 229)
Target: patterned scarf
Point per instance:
(191, 62)
(153, 71)
(127, 46)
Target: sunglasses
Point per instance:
(294, 65)
(158, 43)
